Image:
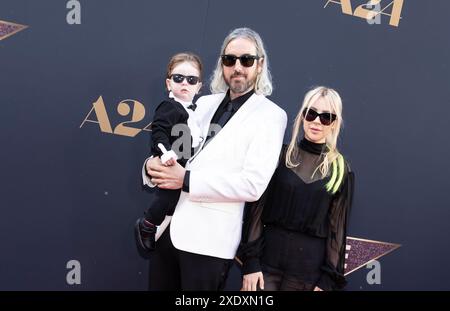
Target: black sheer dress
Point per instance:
(296, 232)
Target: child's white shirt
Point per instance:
(192, 121)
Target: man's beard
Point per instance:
(240, 87)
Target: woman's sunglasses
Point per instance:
(178, 78)
(246, 60)
(326, 118)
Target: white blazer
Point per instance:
(234, 167)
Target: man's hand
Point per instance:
(165, 177)
(250, 281)
(318, 289)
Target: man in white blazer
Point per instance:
(232, 167)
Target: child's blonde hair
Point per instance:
(184, 57)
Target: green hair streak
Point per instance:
(337, 175)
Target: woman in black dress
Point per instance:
(294, 236)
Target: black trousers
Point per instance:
(174, 269)
(162, 203)
(279, 280)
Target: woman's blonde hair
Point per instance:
(331, 156)
(263, 84)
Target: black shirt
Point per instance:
(237, 104)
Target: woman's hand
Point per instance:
(318, 289)
(250, 281)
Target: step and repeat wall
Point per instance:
(79, 82)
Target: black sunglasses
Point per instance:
(246, 60)
(178, 78)
(326, 118)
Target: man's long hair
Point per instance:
(263, 83)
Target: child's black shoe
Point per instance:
(145, 234)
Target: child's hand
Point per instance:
(168, 158)
(170, 162)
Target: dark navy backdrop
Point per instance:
(74, 193)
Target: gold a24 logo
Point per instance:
(128, 107)
(372, 10)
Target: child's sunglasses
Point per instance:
(179, 78)
(326, 118)
(246, 60)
